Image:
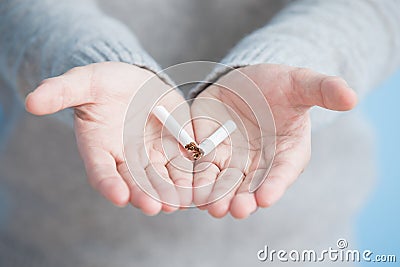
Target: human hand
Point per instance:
(290, 93)
(100, 94)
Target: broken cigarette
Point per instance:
(182, 136)
(210, 143)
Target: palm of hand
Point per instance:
(290, 93)
(101, 94)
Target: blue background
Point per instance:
(378, 225)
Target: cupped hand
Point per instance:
(290, 93)
(100, 95)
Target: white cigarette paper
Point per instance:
(180, 134)
(210, 143)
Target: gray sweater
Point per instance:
(358, 40)
(55, 219)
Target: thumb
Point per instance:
(316, 89)
(68, 90)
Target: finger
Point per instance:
(283, 173)
(179, 169)
(68, 90)
(158, 176)
(143, 197)
(205, 174)
(315, 89)
(103, 176)
(244, 202)
(223, 192)
(180, 172)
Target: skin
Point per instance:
(100, 94)
(290, 92)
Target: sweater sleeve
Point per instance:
(357, 40)
(45, 38)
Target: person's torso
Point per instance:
(176, 31)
